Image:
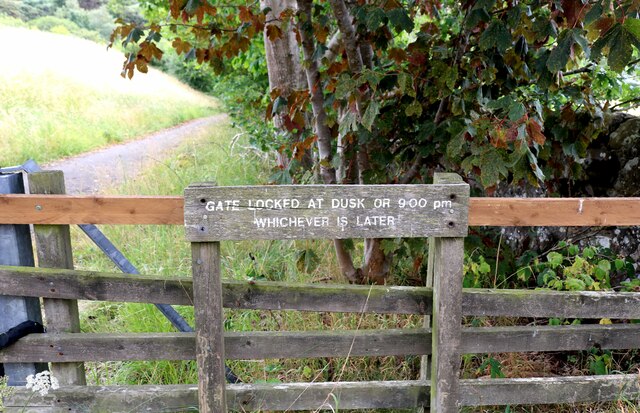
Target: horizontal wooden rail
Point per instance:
(88, 285)
(73, 347)
(329, 396)
(169, 210)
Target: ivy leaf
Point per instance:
(370, 114)
(497, 35)
(400, 19)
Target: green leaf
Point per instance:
(345, 86)
(632, 26)
(477, 16)
(620, 51)
(492, 167)
(574, 284)
(497, 35)
(589, 253)
(619, 264)
(454, 147)
(602, 42)
(414, 109)
(559, 56)
(573, 250)
(555, 259)
(400, 19)
(375, 17)
(370, 114)
(516, 111)
(594, 14)
(604, 265)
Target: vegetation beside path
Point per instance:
(68, 98)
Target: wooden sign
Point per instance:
(215, 213)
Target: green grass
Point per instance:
(162, 250)
(61, 96)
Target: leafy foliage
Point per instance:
(457, 87)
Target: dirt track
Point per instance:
(89, 173)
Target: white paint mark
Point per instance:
(580, 206)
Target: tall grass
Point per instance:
(61, 96)
(219, 157)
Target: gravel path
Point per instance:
(90, 172)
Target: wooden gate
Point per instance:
(440, 211)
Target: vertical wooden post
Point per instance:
(447, 262)
(425, 362)
(53, 246)
(207, 301)
(16, 249)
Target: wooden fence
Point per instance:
(445, 303)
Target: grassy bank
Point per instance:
(61, 96)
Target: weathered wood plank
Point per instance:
(91, 209)
(239, 345)
(545, 303)
(447, 323)
(53, 249)
(554, 212)
(550, 390)
(342, 396)
(169, 210)
(209, 319)
(88, 285)
(215, 213)
(95, 286)
(309, 344)
(549, 338)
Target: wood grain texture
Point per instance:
(90, 209)
(545, 303)
(337, 396)
(261, 295)
(309, 344)
(53, 249)
(209, 319)
(446, 324)
(169, 210)
(556, 212)
(215, 213)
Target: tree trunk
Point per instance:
(283, 66)
(327, 171)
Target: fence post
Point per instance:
(448, 257)
(16, 249)
(53, 248)
(207, 299)
(425, 361)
